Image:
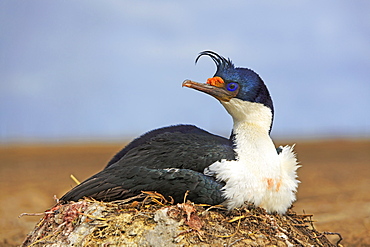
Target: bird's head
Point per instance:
(238, 89)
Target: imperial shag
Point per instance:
(172, 160)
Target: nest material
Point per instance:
(156, 222)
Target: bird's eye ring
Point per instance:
(232, 86)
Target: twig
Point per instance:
(186, 195)
(92, 216)
(332, 233)
(231, 235)
(32, 214)
(75, 179)
(236, 241)
(237, 218)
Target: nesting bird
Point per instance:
(215, 170)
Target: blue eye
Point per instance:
(232, 86)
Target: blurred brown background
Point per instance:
(335, 177)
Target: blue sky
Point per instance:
(110, 70)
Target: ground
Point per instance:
(335, 177)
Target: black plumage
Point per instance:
(183, 146)
(169, 160)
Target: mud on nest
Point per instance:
(150, 220)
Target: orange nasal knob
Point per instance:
(216, 81)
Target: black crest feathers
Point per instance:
(221, 62)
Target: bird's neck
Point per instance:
(251, 128)
(254, 115)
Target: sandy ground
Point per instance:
(335, 184)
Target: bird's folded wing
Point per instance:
(119, 182)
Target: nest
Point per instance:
(150, 220)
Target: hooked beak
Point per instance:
(218, 91)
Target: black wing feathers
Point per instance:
(170, 161)
(122, 182)
(178, 139)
